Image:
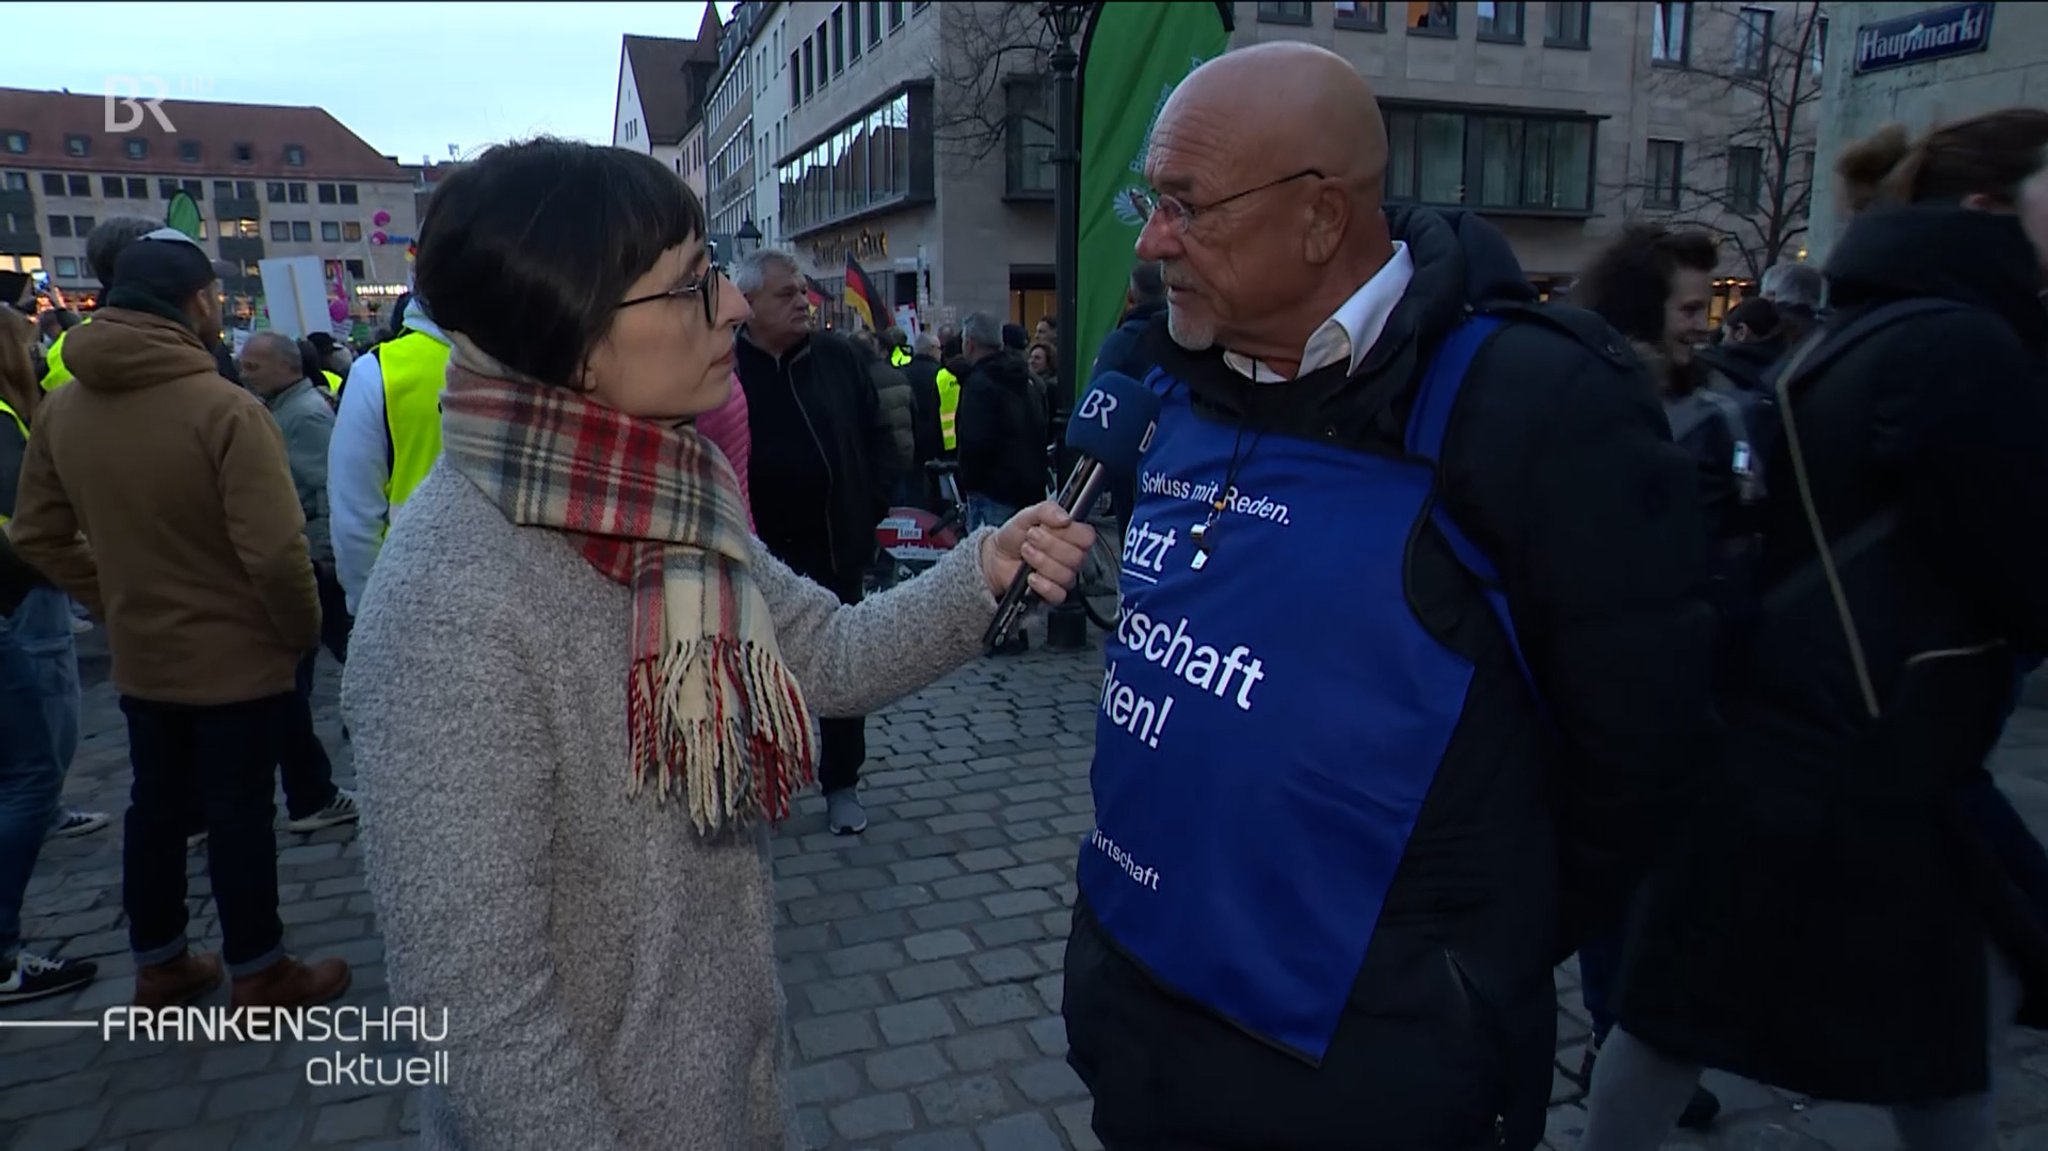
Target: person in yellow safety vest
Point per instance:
(333, 382)
(899, 358)
(387, 435)
(949, 408)
(102, 248)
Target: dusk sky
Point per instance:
(411, 79)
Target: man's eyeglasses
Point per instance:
(704, 286)
(1182, 215)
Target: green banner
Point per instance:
(1133, 57)
(183, 215)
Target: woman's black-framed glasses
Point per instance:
(1181, 214)
(704, 286)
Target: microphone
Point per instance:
(1110, 429)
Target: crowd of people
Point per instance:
(1500, 631)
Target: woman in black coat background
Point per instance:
(1841, 917)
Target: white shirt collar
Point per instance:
(1351, 331)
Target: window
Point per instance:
(195, 189)
(824, 56)
(18, 182)
(245, 189)
(1565, 25)
(273, 190)
(1282, 13)
(810, 69)
(166, 188)
(1508, 162)
(188, 151)
(295, 155)
(137, 149)
(853, 35)
(328, 195)
(138, 188)
(1501, 23)
(1030, 140)
(202, 229)
(1745, 179)
(1364, 17)
(1817, 49)
(838, 40)
(330, 232)
(15, 143)
(863, 166)
(77, 147)
(1667, 160)
(110, 187)
(53, 184)
(296, 193)
(246, 229)
(354, 268)
(81, 186)
(302, 231)
(1432, 18)
(67, 267)
(351, 232)
(796, 83)
(223, 189)
(280, 230)
(895, 15)
(245, 153)
(60, 225)
(82, 225)
(1670, 30)
(874, 22)
(1753, 41)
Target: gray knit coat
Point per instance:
(609, 979)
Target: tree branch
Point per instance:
(986, 46)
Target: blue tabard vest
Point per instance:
(1271, 721)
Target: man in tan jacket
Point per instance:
(198, 566)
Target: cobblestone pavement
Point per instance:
(921, 959)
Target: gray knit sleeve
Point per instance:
(851, 660)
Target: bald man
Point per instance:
(1409, 663)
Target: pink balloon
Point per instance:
(378, 239)
(337, 310)
(381, 218)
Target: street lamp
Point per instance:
(1066, 629)
(748, 234)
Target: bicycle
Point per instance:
(914, 539)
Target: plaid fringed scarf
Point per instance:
(714, 716)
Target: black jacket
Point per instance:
(927, 438)
(897, 409)
(819, 469)
(1001, 431)
(1743, 366)
(1822, 925)
(1559, 465)
(17, 578)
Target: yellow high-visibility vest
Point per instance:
(415, 370)
(19, 423)
(333, 381)
(949, 406)
(898, 357)
(56, 374)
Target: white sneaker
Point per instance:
(195, 841)
(339, 810)
(73, 822)
(844, 812)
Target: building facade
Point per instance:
(1921, 65)
(659, 108)
(1559, 122)
(729, 126)
(269, 181)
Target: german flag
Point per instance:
(860, 293)
(814, 293)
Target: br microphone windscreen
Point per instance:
(1113, 423)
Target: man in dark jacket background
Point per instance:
(819, 474)
(927, 437)
(1298, 924)
(1002, 428)
(892, 394)
(1123, 350)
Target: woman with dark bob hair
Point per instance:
(579, 690)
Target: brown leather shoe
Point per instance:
(290, 983)
(189, 977)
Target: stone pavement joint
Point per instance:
(921, 960)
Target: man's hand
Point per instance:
(1046, 540)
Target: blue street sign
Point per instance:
(1937, 33)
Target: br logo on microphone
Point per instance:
(1097, 405)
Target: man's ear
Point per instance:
(1329, 217)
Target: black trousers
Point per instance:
(302, 763)
(335, 622)
(225, 755)
(843, 742)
